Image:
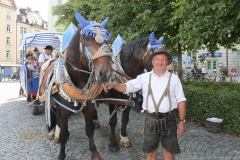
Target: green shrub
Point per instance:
(209, 99)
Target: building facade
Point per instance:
(223, 58)
(52, 19)
(12, 28)
(8, 32)
(28, 21)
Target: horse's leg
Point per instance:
(113, 145)
(51, 129)
(95, 121)
(57, 132)
(89, 114)
(64, 134)
(123, 135)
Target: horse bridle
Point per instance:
(102, 51)
(148, 51)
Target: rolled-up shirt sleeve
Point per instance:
(134, 85)
(180, 97)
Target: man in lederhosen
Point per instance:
(162, 96)
(45, 56)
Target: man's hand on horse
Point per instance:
(108, 86)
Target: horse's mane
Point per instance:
(73, 48)
(134, 50)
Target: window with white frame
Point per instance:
(8, 28)
(8, 54)
(45, 25)
(24, 19)
(21, 30)
(8, 40)
(8, 16)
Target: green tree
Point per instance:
(209, 24)
(186, 24)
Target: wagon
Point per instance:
(29, 83)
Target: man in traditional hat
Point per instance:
(45, 56)
(162, 96)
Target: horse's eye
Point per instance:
(87, 39)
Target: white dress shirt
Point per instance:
(42, 58)
(158, 85)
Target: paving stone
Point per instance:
(23, 136)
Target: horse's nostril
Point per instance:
(101, 73)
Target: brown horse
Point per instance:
(76, 79)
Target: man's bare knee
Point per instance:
(152, 155)
(167, 155)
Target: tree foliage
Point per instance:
(186, 24)
(209, 24)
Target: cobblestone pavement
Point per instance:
(23, 136)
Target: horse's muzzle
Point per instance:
(104, 75)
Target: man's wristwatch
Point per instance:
(183, 120)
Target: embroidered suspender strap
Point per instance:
(165, 93)
(45, 57)
(169, 98)
(149, 91)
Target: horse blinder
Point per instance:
(102, 51)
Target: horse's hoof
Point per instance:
(96, 155)
(114, 147)
(56, 139)
(96, 124)
(51, 136)
(124, 141)
(125, 144)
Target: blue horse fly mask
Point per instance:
(98, 32)
(154, 43)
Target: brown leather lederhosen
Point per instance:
(165, 93)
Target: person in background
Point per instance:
(210, 72)
(195, 68)
(45, 56)
(31, 67)
(233, 70)
(203, 70)
(162, 96)
(37, 53)
(21, 91)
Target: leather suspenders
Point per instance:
(165, 93)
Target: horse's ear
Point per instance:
(82, 21)
(152, 38)
(104, 23)
(161, 39)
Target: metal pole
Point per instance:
(227, 56)
(16, 42)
